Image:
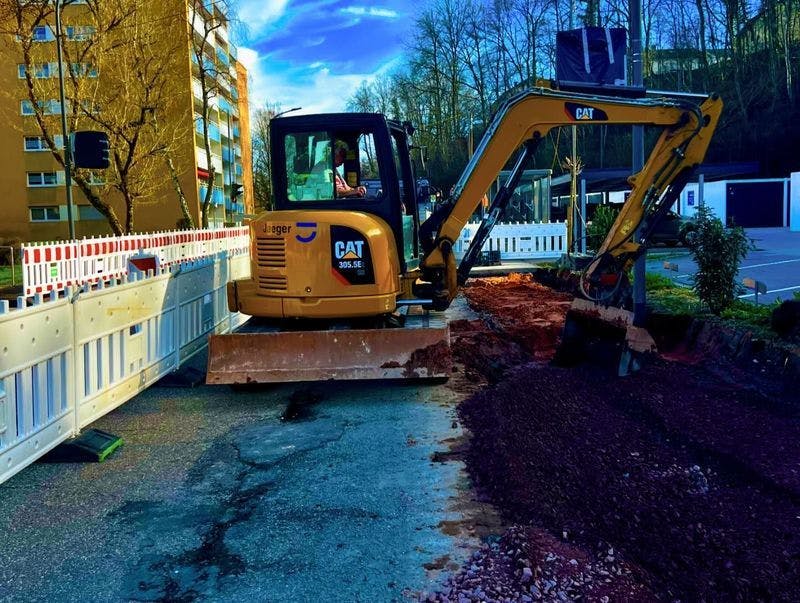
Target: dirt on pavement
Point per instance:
(673, 483)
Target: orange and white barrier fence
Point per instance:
(48, 267)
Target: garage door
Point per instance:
(755, 204)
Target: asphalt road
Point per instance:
(215, 497)
(775, 262)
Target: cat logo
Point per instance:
(348, 250)
(580, 112)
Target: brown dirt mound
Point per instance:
(526, 311)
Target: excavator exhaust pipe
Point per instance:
(289, 356)
(603, 335)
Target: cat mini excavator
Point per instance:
(344, 273)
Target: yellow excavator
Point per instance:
(344, 273)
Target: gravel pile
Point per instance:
(526, 565)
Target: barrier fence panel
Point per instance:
(56, 266)
(519, 241)
(125, 345)
(68, 360)
(36, 381)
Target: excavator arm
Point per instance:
(525, 119)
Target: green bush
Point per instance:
(597, 230)
(717, 251)
(657, 282)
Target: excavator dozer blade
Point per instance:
(286, 356)
(603, 335)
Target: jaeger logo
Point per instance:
(579, 112)
(348, 250)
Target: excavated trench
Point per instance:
(680, 482)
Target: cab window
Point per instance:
(326, 165)
(309, 166)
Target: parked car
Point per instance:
(672, 230)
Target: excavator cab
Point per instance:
(348, 162)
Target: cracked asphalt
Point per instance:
(276, 494)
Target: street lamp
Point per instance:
(285, 112)
(64, 131)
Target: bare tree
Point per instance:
(262, 154)
(117, 79)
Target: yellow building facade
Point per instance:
(33, 200)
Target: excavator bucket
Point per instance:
(410, 352)
(603, 335)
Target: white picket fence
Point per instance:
(519, 241)
(70, 358)
(55, 266)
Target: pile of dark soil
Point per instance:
(692, 480)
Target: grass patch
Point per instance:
(665, 297)
(658, 282)
(5, 276)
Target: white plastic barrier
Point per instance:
(50, 267)
(519, 241)
(56, 266)
(66, 361)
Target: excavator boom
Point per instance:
(527, 117)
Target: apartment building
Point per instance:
(182, 50)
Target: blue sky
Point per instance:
(315, 53)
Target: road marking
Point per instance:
(769, 264)
(771, 291)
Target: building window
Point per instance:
(49, 107)
(45, 214)
(37, 179)
(42, 33)
(40, 70)
(38, 143)
(96, 179)
(79, 33)
(84, 70)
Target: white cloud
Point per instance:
(372, 11)
(248, 57)
(257, 14)
(321, 92)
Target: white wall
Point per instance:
(714, 196)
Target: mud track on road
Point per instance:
(691, 481)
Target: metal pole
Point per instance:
(640, 266)
(701, 184)
(573, 189)
(583, 215)
(231, 169)
(64, 130)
